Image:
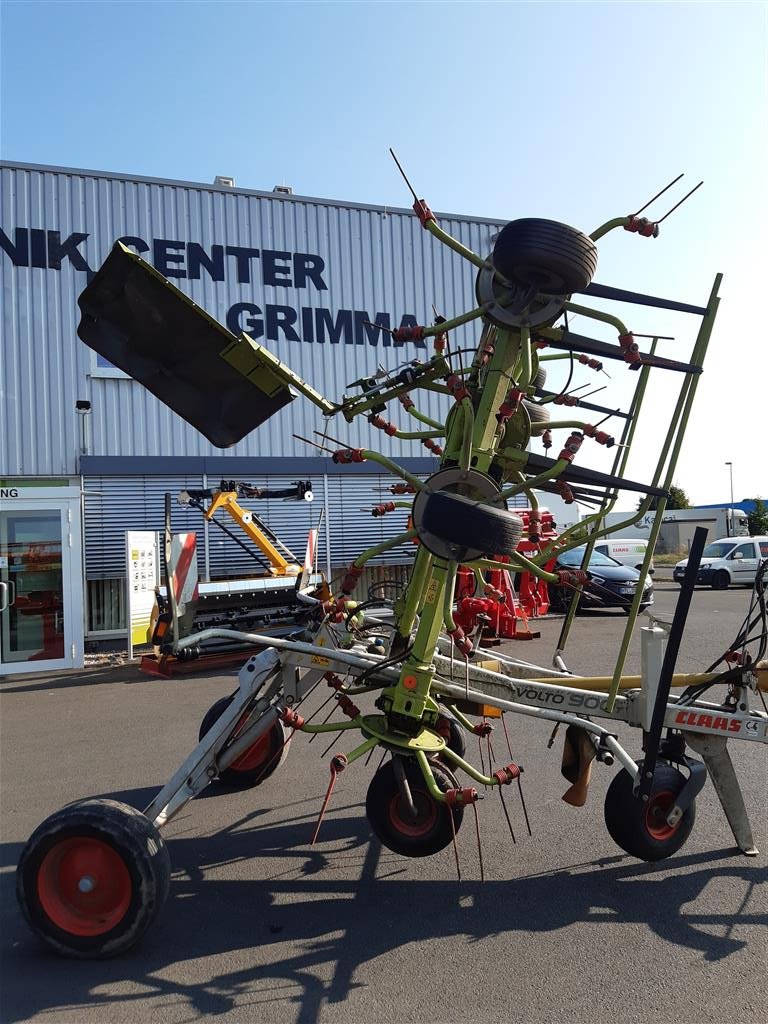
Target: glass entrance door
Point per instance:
(32, 605)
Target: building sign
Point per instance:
(234, 264)
(142, 565)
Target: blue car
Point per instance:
(611, 584)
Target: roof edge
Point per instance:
(279, 197)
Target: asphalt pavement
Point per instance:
(261, 926)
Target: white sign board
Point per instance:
(142, 562)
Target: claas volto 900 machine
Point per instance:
(94, 875)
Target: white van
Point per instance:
(726, 561)
(628, 552)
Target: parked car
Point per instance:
(611, 584)
(627, 551)
(726, 561)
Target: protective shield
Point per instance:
(224, 386)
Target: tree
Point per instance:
(677, 499)
(758, 520)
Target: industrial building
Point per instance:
(87, 453)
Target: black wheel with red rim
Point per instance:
(258, 761)
(419, 835)
(93, 877)
(452, 733)
(641, 829)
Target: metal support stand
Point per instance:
(714, 750)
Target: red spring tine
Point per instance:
(479, 844)
(506, 815)
(522, 801)
(506, 734)
(329, 791)
(455, 847)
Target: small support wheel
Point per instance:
(259, 761)
(419, 835)
(536, 413)
(452, 733)
(641, 830)
(92, 878)
(721, 580)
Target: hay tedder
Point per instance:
(93, 876)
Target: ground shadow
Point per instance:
(357, 921)
(119, 674)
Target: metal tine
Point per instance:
(455, 847)
(506, 735)
(327, 718)
(335, 739)
(405, 176)
(600, 422)
(491, 755)
(506, 815)
(306, 440)
(666, 187)
(344, 444)
(381, 327)
(590, 393)
(680, 203)
(479, 844)
(522, 801)
(326, 801)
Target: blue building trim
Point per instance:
(228, 468)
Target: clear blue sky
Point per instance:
(574, 111)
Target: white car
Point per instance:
(728, 560)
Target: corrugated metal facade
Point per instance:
(289, 257)
(111, 502)
(300, 274)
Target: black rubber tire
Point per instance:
(554, 258)
(453, 734)
(431, 831)
(559, 598)
(627, 608)
(721, 580)
(537, 413)
(540, 377)
(464, 522)
(639, 829)
(124, 859)
(258, 762)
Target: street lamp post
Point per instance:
(729, 518)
